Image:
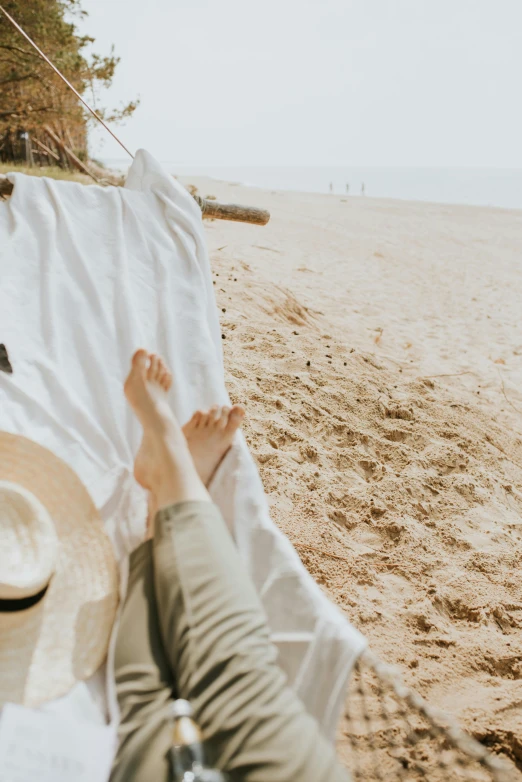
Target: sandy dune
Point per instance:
(377, 346)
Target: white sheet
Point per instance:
(87, 275)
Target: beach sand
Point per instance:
(377, 347)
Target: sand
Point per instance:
(377, 347)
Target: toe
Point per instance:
(163, 379)
(235, 419)
(152, 374)
(140, 360)
(158, 368)
(163, 374)
(136, 377)
(202, 418)
(223, 418)
(162, 367)
(196, 420)
(213, 415)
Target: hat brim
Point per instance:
(46, 649)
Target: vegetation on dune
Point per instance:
(53, 172)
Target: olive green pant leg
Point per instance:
(144, 682)
(217, 641)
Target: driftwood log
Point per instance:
(241, 214)
(47, 150)
(209, 209)
(76, 162)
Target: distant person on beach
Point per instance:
(347, 188)
(192, 625)
(331, 187)
(362, 189)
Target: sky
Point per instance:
(315, 82)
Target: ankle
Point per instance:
(178, 479)
(188, 490)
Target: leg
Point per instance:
(144, 682)
(217, 641)
(200, 445)
(213, 628)
(163, 445)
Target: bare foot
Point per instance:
(209, 436)
(163, 464)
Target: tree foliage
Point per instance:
(31, 94)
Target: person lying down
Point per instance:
(192, 625)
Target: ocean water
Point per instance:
(474, 186)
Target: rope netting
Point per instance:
(390, 733)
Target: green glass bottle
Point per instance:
(187, 752)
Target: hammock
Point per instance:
(389, 731)
(209, 209)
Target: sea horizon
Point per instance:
(495, 187)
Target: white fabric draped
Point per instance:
(87, 275)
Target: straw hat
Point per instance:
(58, 576)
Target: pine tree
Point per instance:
(31, 94)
